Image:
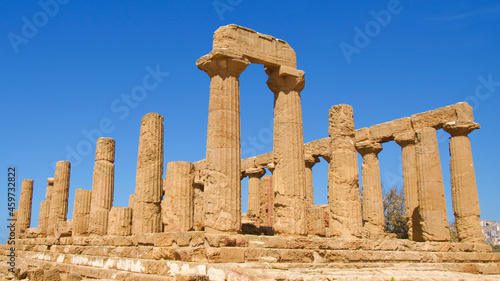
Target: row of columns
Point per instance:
(423, 186)
(425, 204)
(222, 194)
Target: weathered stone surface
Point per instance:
(386, 131)
(310, 161)
(35, 274)
(362, 134)
(148, 187)
(266, 194)
(102, 186)
(81, 212)
(343, 182)
(50, 185)
(222, 192)
(463, 182)
(25, 200)
(120, 221)
(318, 148)
(316, 221)
(257, 47)
(434, 118)
(432, 208)
(464, 111)
(198, 202)
(43, 217)
(407, 142)
(373, 207)
(254, 175)
(59, 198)
(177, 207)
(131, 201)
(288, 146)
(52, 275)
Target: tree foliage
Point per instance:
(394, 212)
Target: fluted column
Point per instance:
(290, 215)
(316, 220)
(177, 207)
(407, 142)
(59, 197)
(254, 175)
(120, 221)
(131, 201)
(372, 205)
(266, 194)
(43, 216)
(432, 206)
(222, 193)
(148, 188)
(102, 186)
(198, 201)
(310, 161)
(81, 212)
(25, 200)
(463, 182)
(343, 181)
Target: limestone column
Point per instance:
(198, 214)
(45, 208)
(131, 200)
(310, 162)
(343, 181)
(222, 192)
(254, 175)
(316, 221)
(463, 182)
(59, 197)
(432, 206)
(266, 194)
(42, 217)
(290, 215)
(148, 188)
(120, 221)
(102, 186)
(373, 204)
(407, 142)
(81, 212)
(177, 207)
(25, 200)
(50, 186)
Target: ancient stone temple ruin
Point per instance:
(189, 224)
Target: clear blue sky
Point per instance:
(75, 70)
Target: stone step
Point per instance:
(282, 271)
(161, 266)
(247, 254)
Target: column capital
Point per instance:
(255, 172)
(271, 167)
(406, 138)
(368, 147)
(460, 127)
(222, 62)
(310, 160)
(284, 79)
(50, 181)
